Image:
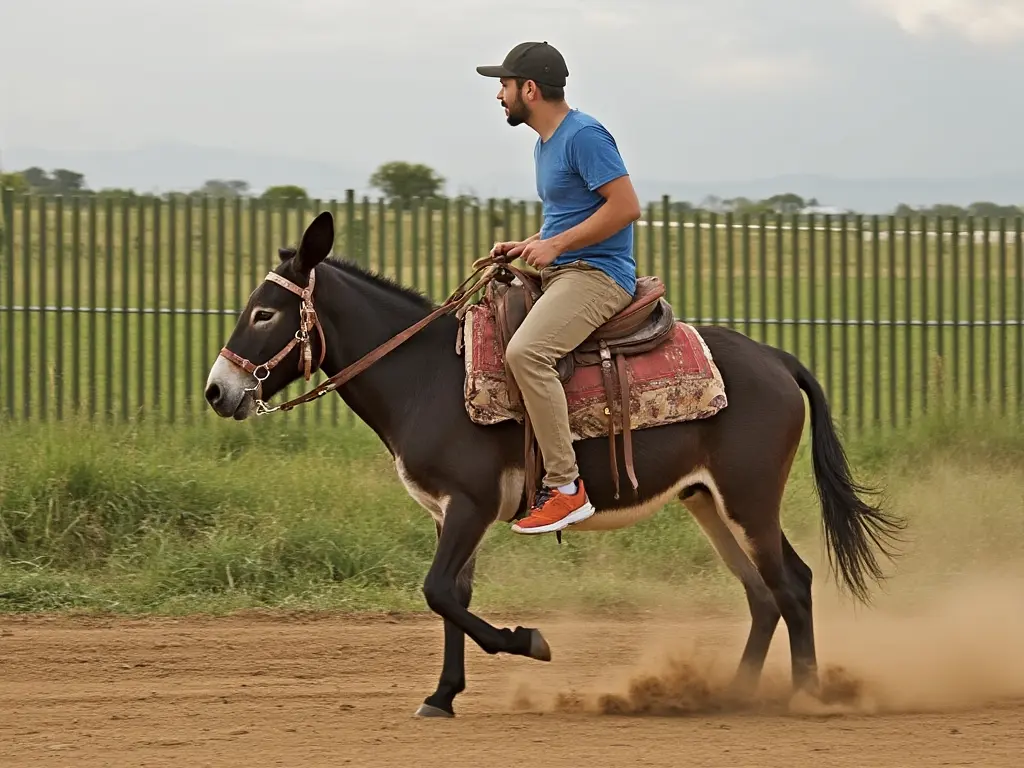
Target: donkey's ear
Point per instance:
(317, 241)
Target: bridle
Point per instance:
(491, 266)
(307, 320)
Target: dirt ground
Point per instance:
(944, 686)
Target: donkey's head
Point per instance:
(278, 336)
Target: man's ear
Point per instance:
(317, 242)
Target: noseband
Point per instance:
(307, 320)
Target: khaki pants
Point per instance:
(576, 299)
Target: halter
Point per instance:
(307, 319)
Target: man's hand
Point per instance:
(540, 253)
(506, 248)
(513, 248)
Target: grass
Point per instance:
(216, 517)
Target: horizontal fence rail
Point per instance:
(978, 236)
(115, 308)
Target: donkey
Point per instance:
(728, 470)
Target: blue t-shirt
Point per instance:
(579, 157)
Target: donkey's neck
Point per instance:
(408, 382)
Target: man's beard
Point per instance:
(517, 114)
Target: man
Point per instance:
(584, 253)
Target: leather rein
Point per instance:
(490, 266)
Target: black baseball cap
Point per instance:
(539, 62)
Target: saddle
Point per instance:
(646, 323)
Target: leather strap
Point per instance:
(627, 439)
(530, 463)
(609, 395)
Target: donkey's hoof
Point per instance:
(539, 648)
(426, 710)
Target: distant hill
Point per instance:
(160, 168)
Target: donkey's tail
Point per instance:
(851, 524)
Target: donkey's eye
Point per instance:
(262, 316)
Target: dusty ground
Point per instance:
(942, 687)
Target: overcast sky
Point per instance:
(692, 89)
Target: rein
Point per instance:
(490, 266)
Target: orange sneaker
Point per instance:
(553, 510)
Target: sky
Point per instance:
(691, 89)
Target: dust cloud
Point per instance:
(963, 649)
(945, 634)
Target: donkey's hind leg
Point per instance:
(704, 503)
(753, 511)
(798, 580)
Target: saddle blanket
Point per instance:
(676, 381)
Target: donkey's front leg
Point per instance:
(453, 669)
(464, 527)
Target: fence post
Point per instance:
(8, 241)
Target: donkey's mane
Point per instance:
(388, 284)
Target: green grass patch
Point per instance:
(216, 517)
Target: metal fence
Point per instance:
(115, 308)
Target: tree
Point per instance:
(993, 210)
(67, 182)
(744, 205)
(787, 202)
(285, 193)
(13, 181)
(117, 193)
(403, 181)
(36, 178)
(711, 203)
(946, 210)
(223, 188)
